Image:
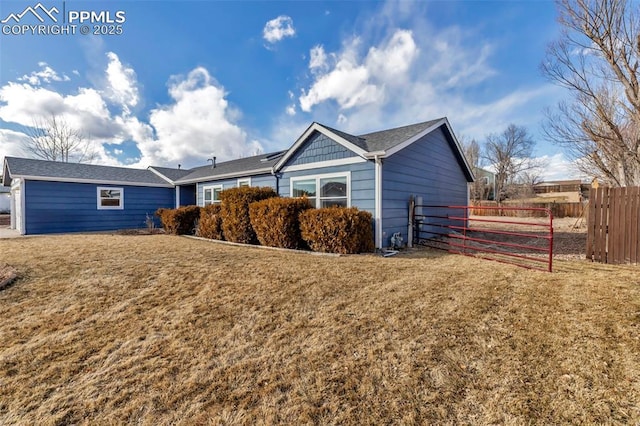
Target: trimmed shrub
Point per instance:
(210, 223)
(236, 224)
(337, 230)
(275, 221)
(179, 221)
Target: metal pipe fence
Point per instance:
(528, 244)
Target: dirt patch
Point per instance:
(140, 231)
(8, 274)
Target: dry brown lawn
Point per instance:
(112, 329)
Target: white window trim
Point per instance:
(211, 187)
(244, 180)
(109, 188)
(317, 179)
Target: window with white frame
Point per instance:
(244, 182)
(323, 190)
(211, 194)
(110, 198)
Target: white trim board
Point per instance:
(213, 178)
(322, 164)
(160, 175)
(91, 181)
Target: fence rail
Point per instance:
(528, 244)
(613, 225)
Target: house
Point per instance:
(376, 172)
(484, 186)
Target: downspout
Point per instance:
(274, 174)
(377, 157)
(378, 199)
(177, 196)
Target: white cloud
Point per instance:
(291, 110)
(401, 69)
(196, 123)
(353, 81)
(391, 61)
(558, 167)
(317, 59)
(12, 144)
(46, 74)
(122, 83)
(278, 28)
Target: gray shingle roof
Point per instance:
(170, 173)
(357, 141)
(386, 139)
(80, 172)
(244, 166)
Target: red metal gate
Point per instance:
(506, 238)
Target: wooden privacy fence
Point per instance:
(520, 209)
(613, 225)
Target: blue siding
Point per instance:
(54, 207)
(428, 168)
(362, 182)
(261, 180)
(187, 195)
(319, 147)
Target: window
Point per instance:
(333, 189)
(211, 194)
(244, 182)
(110, 198)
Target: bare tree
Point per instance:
(52, 138)
(510, 154)
(597, 58)
(526, 184)
(479, 188)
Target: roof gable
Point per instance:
(350, 142)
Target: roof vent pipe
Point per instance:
(213, 162)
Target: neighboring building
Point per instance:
(376, 172)
(572, 191)
(5, 200)
(484, 186)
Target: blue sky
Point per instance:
(189, 79)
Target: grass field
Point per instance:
(112, 329)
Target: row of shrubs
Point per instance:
(253, 215)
